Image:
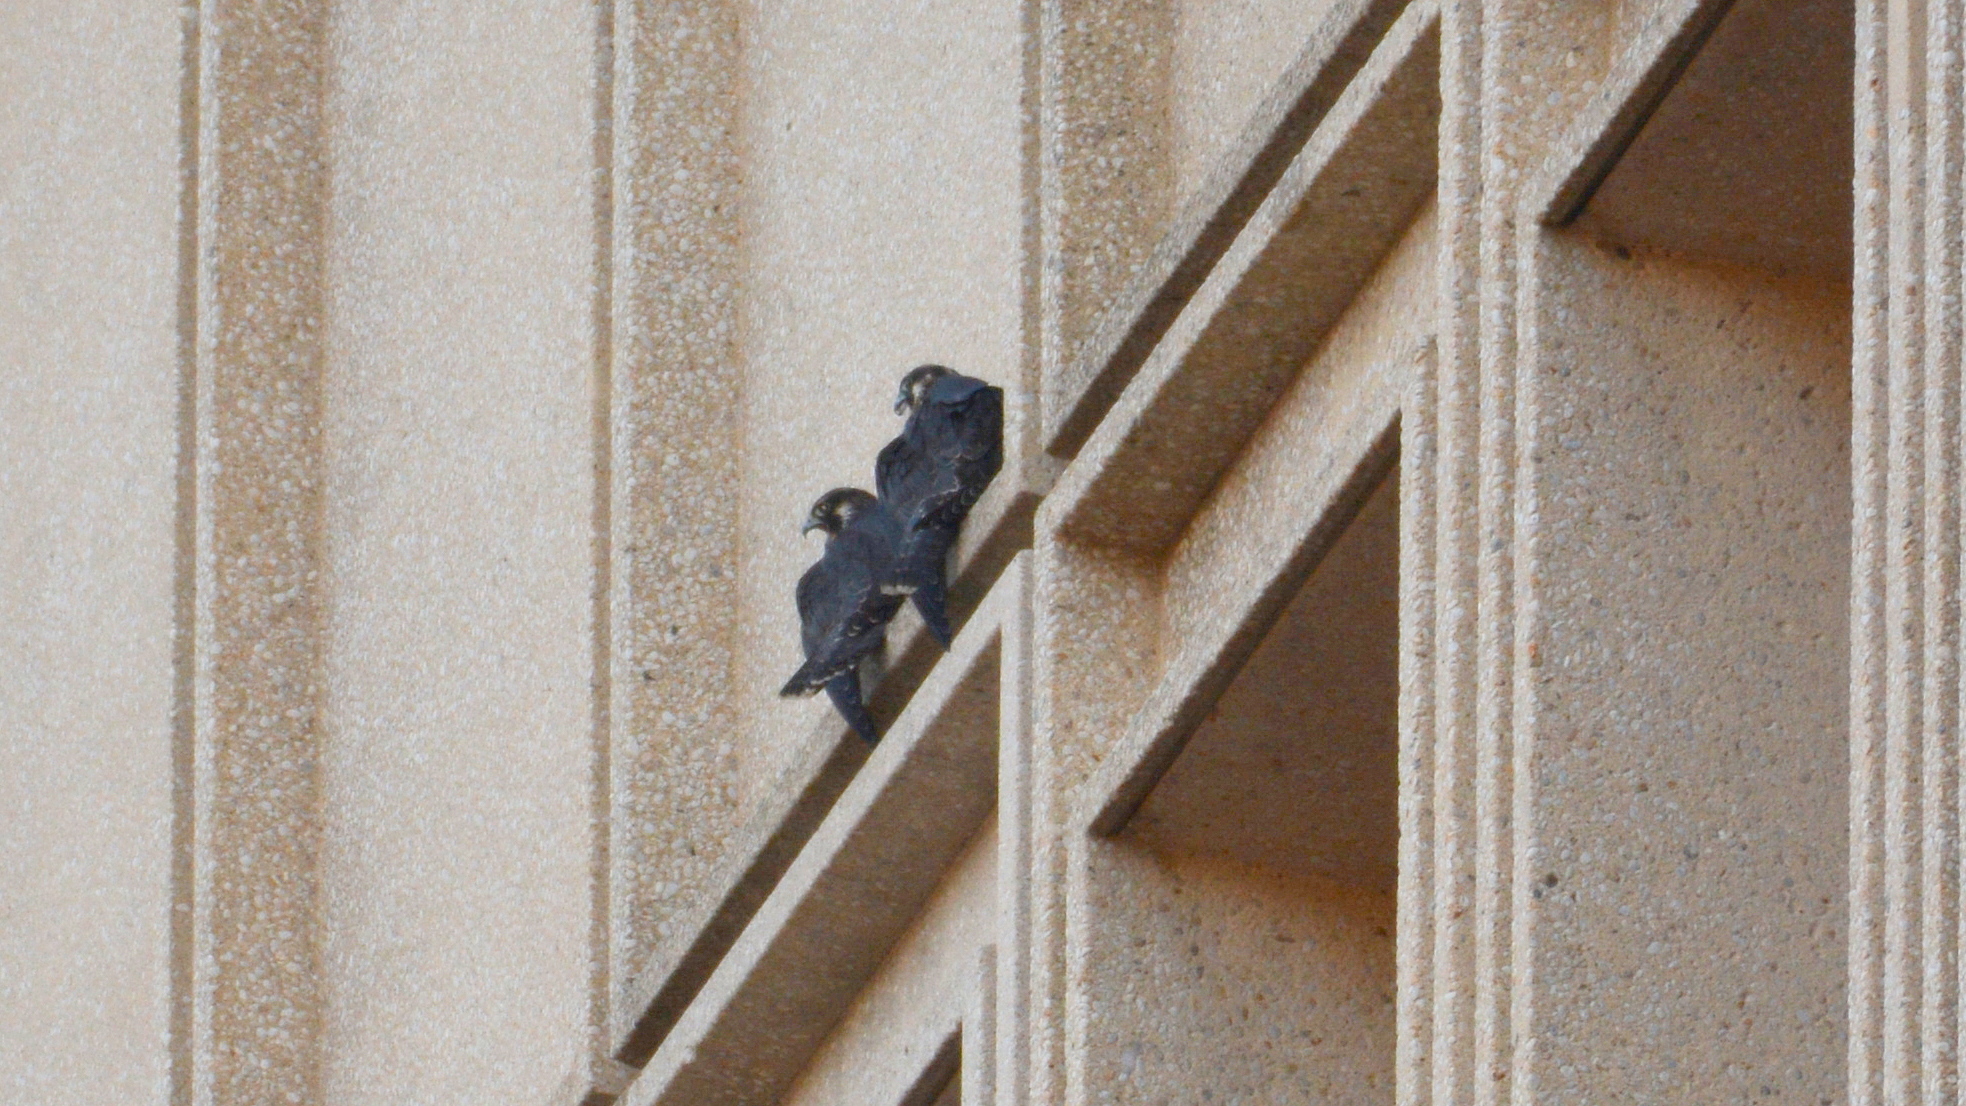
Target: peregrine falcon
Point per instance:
(930, 476)
(843, 608)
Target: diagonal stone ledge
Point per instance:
(799, 798)
(851, 890)
(1638, 84)
(1211, 217)
(1358, 456)
(1301, 260)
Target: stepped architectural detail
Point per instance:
(1469, 613)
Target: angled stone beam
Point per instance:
(1302, 258)
(1210, 218)
(852, 890)
(1639, 82)
(805, 790)
(1356, 454)
(942, 1066)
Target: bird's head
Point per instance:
(915, 386)
(832, 511)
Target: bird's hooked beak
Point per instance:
(811, 525)
(903, 401)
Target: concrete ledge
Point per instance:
(799, 798)
(1302, 258)
(1638, 84)
(942, 1067)
(875, 858)
(1359, 455)
(1211, 217)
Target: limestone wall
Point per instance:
(1470, 611)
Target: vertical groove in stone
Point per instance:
(1869, 648)
(1495, 744)
(1031, 183)
(1413, 1014)
(1941, 777)
(1045, 1085)
(1104, 191)
(262, 197)
(1094, 634)
(1456, 486)
(1107, 169)
(1016, 874)
(674, 458)
(1904, 614)
(184, 611)
(601, 546)
(1905, 782)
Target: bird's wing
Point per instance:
(892, 466)
(976, 427)
(906, 472)
(963, 437)
(815, 589)
(844, 616)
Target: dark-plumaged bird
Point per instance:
(930, 476)
(844, 606)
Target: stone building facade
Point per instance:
(1471, 613)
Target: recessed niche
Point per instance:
(1748, 157)
(1296, 768)
(1252, 894)
(1690, 746)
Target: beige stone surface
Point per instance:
(1490, 630)
(89, 390)
(1301, 259)
(1106, 185)
(1691, 625)
(1727, 149)
(920, 994)
(840, 906)
(1204, 979)
(1227, 56)
(459, 441)
(869, 248)
(1296, 768)
(1082, 374)
(254, 503)
(673, 791)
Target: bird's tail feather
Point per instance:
(811, 676)
(844, 690)
(932, 600)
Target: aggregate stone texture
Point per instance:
(1227, 58)
(1296, 768)
(1904, 784)
(1342, 205)
(880, 216)
(1689, 684)
(1095, 646)
(1213, 206)
(262, 185)
(337, 409)
(1107, 179)
(852, 891)
(1513, 77)
(1203, 979)
(1721, 151)
(1270, 523)
(675, 802)
(1357, 381)
(89, 386)
(459, 488)
(918, 996)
